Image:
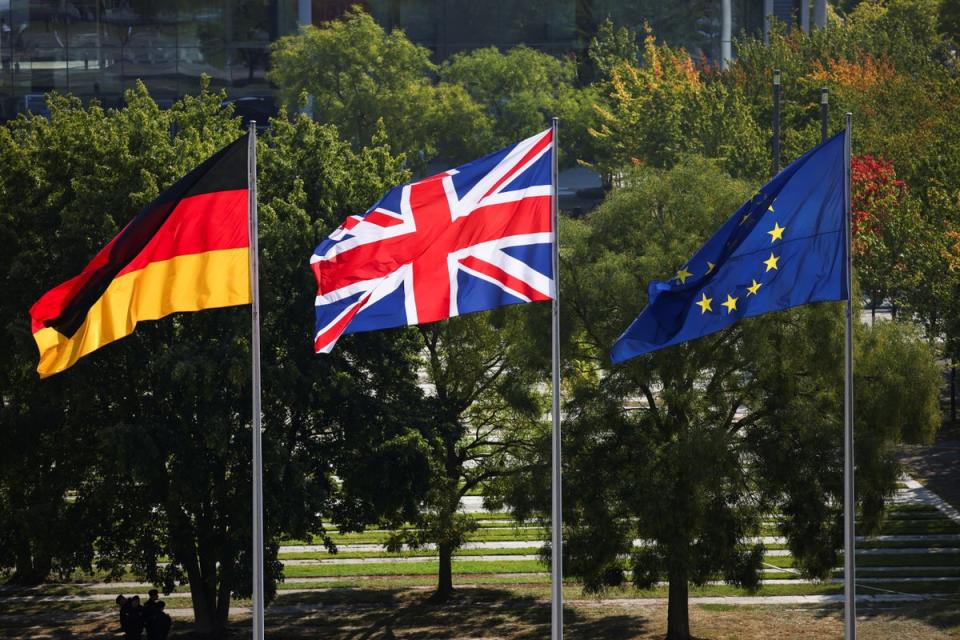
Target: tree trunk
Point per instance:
(203, 585)
(30, 566)
(223, 607)
(678, 615)
(225, 588)
(204, 602)
(445, 577)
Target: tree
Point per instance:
(690, 447)
(519, 91)
(664, 106)
(149, 437)
(358, 75)
(479, 420)
(885, 221)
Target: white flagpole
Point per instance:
(255, 355)
(849, 503)
(556, 569)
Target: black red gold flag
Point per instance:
(187, 250)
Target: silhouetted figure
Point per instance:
(150, 608)
(122, 605)
(159, 625)
(132, 623)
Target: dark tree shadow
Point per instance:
(359, 614)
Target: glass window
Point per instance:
(197, 61)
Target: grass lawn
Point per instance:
(426, 567)
(411, 553)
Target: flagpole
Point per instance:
(556, 568)
(255, 356)
(849, 503)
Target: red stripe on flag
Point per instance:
(498, 274)
(201, 223)
(335, 331)
(205, 222)
(382, 219)
(537, 148)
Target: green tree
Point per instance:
(149, 436)
(519, 91)
(659, 108)
(357, 76)
(611, 47)
(478, 424)
(690, 447)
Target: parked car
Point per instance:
(258, 108)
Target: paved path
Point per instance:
(533, 544)
(938, 465)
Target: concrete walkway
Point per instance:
(937, 467)
(533, 544)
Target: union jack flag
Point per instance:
(465, 240)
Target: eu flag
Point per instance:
(785, 247)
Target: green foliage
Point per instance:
(612, 47)
(658, 109)
(358, 75)
(149, 436)
(519, 91)
(479, 424)
(690, 447)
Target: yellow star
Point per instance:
(731, 304)
(771, 262)
(744, 219)
(705, 304)
(752, 289)
(710, 266)
(683, 274)
(770, 208)
(777, 232)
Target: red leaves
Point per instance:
(876, 191)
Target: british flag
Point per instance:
(469, 239)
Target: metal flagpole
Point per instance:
(255, 355)
(824, 109)
(556, 568)
(775, 146)
(849, 504)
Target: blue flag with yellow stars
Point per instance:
(785, 247)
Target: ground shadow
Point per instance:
(359, 614)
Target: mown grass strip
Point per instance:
(462, 567)
(394, 582)
(412, 553)
(906, 544)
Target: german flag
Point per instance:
(187, 250)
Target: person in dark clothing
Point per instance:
(159, 625)
(132, 623)
(150, 608)
(122, 606)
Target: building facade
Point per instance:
(99, 48)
